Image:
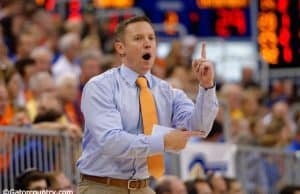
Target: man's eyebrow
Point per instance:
(143, 34)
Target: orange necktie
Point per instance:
(155, 162)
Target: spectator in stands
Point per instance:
(40, 83)
(25, 44)
(69, 46)
(190, 187)
(202, 187)
(290, 190)
(67, 92)
(290, 88)
(33, 180)
(91, 42)
(4, 102)
(279, 125)
(50, 116)
(250, 105)
(11, 9)
(90, 22)
(73, 25)
(14, 87)
(115, 147)
(21, 118)
(43, 58)
(272, 134)
(234, 186)
(217, 183)
(58, 181)
(4, 59)
(170, 185)
(4, 120)
(281, 90)
(177, 76)
(188, 44)
(90, 64)
(26, 68)
(49, 104)
(175, 57)
(232, 93)
(248, 78)
(43, 22)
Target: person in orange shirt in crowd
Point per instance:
(4, 157)
(3, 104)
(26, 68)
(16, 97)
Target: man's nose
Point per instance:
(147, 44)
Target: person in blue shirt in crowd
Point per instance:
(115, 148)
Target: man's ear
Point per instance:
(119, 46)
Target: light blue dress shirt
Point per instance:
(113, 142)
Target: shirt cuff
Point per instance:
(206, 92)
(156, 144)
(213, 88)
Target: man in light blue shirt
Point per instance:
(115, 149)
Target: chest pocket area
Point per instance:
(128, 107)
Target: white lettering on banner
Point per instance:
(199, 158)
(13, 191)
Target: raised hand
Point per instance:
(204, 69)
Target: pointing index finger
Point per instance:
(203, 51)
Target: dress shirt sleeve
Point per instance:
(199, 116)
(103, 122)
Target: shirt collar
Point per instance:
(130, 76)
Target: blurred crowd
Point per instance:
(213, 184)
(45, 61)
(35, 180)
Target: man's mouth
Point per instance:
(146, 56)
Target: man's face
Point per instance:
(139, 40)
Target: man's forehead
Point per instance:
(135, 28)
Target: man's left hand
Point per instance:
(204, 70)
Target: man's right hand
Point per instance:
(177, 139)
